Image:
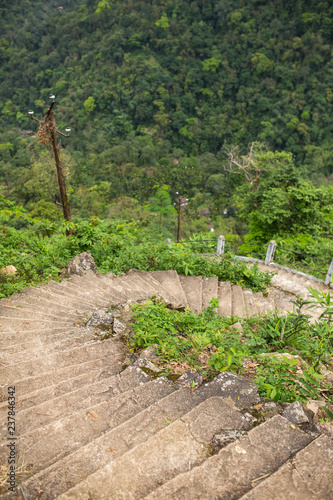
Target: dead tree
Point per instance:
(247, 165)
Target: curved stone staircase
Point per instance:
(88, 428)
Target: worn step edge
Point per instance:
(53, 442)
(57, 360)
(225, 298)
(192, 286)
(308, 475)
(181, 445)
(263, 450)
(171, 282)
(209, 290)
(46, 346)
(75, 467)
(69, 403)
(159, 290)
(27, 385)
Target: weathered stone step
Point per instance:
(182, 445)
(229, 474)
(209, 290)
(90, 284)
(119, 289)
(54, 441)
(250, 306)
(82, 297)
(70, 294)
(238, 303)
(307, 476)
(43, 345)
(75, 467)
(110, 362)
(19, 337)
(76, 303)
(58, 360)
(137, 288)
(152, 285)
(30, 300)
(70, 403)
(22, 324)
(263, 304)
(36, 311)
(192, 286)
(40, 395)
(225, 298)
(171, 282)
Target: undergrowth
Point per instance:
(209, 343)
(40, 249)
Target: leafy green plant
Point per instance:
(224, 360)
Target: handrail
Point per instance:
(270, 254)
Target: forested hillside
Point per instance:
(155, 90)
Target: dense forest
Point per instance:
(167, 93)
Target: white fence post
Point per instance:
(328, 278)
(220, 245)
(270, 252)
(168, 241)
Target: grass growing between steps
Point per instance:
(284, 355)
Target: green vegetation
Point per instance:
(40, 249)
(208, 343)
(156, 93)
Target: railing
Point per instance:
(273, 253)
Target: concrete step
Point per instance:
(229, 474)
(91, 284)
(10, 325)
(35, 311)
(250, 307)
(45, 298)
(34, 298)
(76, 303)
(225, 298)
(74, 294)
(238, 302)
(171, 282)
(192, 286)
(46, 345)
(54, 362)
(307, 476)
(181, 445)
(52, 442)
(108, 361)
(209, 290)
(263, 304)
(40, 395)
(157, 288)
(147, 282)
(69, 403)
(19, 337)
(75, 467)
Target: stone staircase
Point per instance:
(88, 427)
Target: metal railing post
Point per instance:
(270, 252)
(220, 245)
(328, 278)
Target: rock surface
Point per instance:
(100, 318)
(295, 413)
(80, 264)
(237, 390)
